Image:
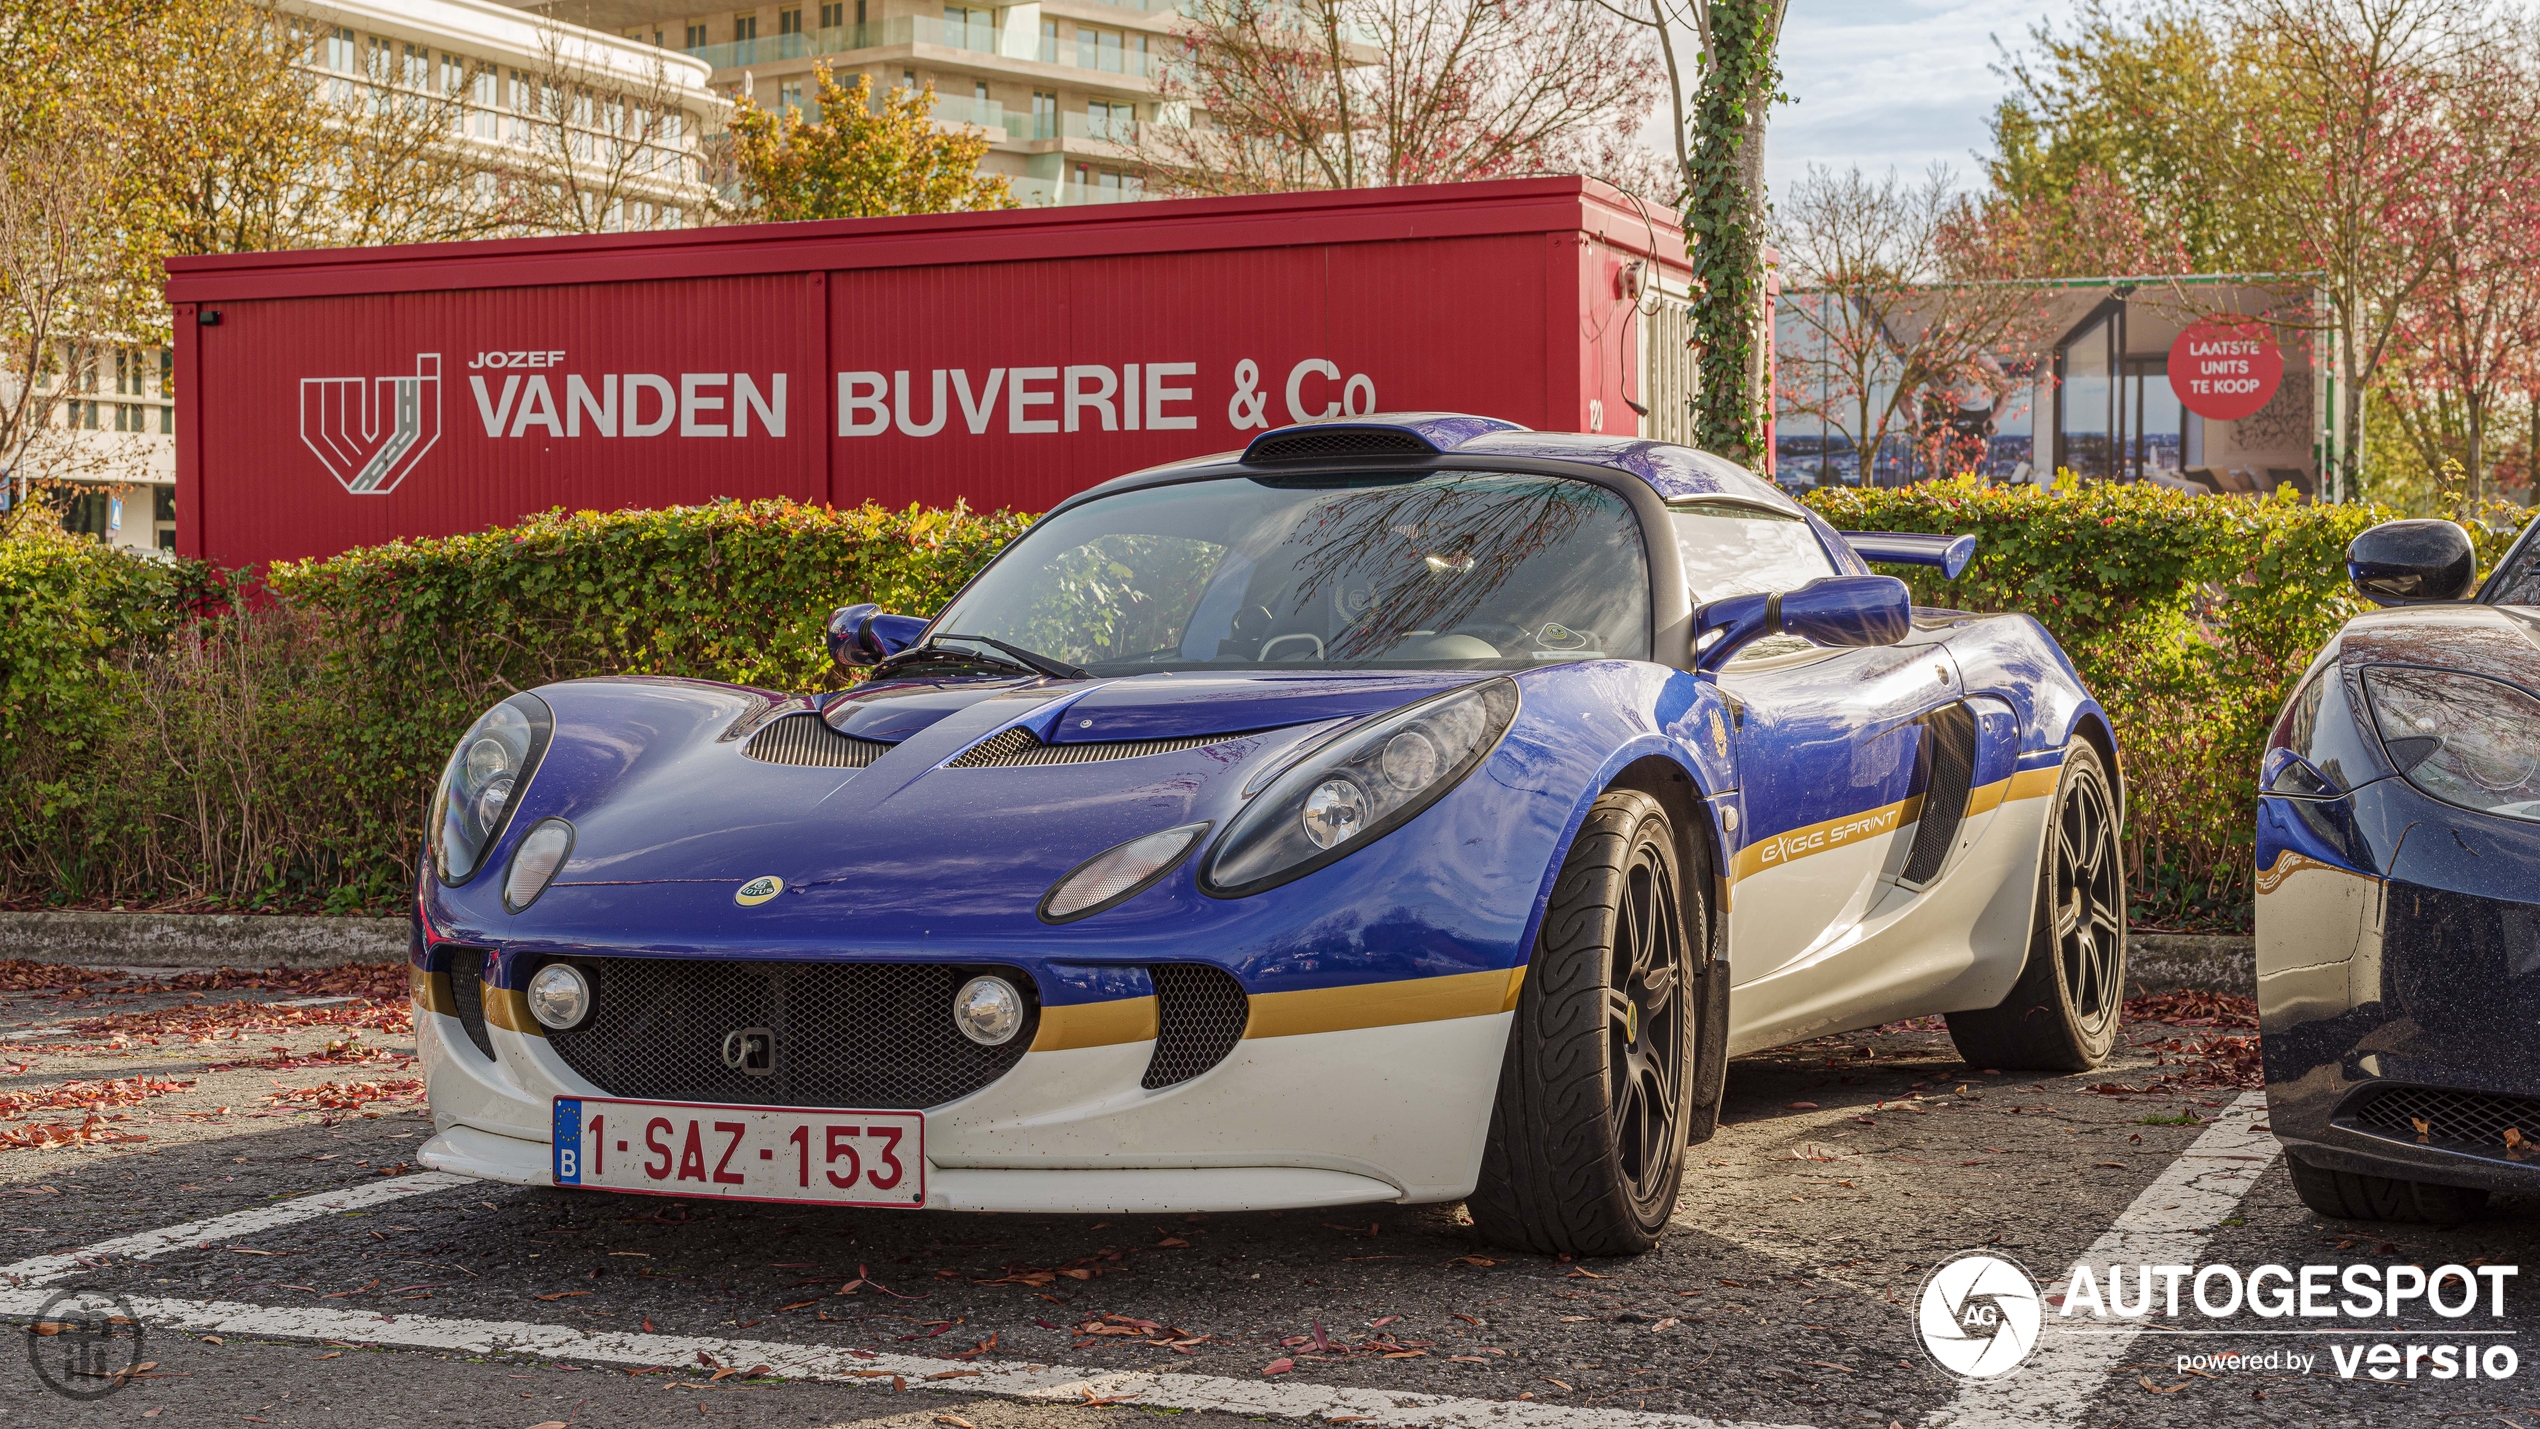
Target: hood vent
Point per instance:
(807, 739)
(1018, 746)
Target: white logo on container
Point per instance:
(371, 442)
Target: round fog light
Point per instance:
(559, 996)
(988, 1011)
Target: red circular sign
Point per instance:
(2224, 369)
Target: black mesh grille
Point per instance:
(467, 991)
(806, 739)
(1200, 1015)
(1018, 746)
(1952, 735)
(863, 1035)
(2467, 1121)
(1344, 442)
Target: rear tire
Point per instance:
(1616, 1054)
(2062, 1014)
(2354, 1196)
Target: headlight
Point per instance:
(486, 777)
(542, 851)
(2465, 740)
(1116, 875)
(1358, 788)
(559, 996)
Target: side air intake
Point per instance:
(807, 739)
(1950, 735)
(1200, 1013)
(467, 990)
(1019, 746)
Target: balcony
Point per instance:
(980, 39)
(1056, 193)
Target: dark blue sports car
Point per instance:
(2399, 888)
(1400, 810)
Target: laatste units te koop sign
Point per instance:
(2224, 369)
(329, 400)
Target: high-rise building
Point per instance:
(524, 96)
(1060, 86)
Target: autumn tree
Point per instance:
(857, 159)
(1272, 95)
(1898, 301)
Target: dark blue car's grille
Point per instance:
(2454, 1120)
(806, 739)
(860, 1035)
(1019, 746)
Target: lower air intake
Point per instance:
(860, 1035)
(1201, 1013)
(2454, 1120)
(1950, 734)
(467, 992)
(1334, 443)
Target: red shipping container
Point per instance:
(338, 398)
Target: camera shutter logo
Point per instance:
(370, 433)
(1979, 1315)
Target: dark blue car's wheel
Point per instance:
(2062, 1015)
(1614, 1057)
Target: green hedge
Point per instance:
(279, 754)
(167, 749)
(2189, 617)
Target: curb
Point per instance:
(200, 940)
(2168, 962)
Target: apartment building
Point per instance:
(507, 77)
(1060, 86)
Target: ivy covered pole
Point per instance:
(1724, 223)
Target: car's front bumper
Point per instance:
(2387, 999)
(1394, 1112)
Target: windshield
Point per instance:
(1477, 570)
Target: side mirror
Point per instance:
(2412, 562)
(1830, 610)
(861, 635)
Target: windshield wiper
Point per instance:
(1017, 656)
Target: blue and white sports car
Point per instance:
(1406, 809)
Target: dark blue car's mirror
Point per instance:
(1831, 610)
(2412, 562)
(861, 635)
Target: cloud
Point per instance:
(1891, 82)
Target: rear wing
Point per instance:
(1949, 554)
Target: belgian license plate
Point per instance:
(747, 1153)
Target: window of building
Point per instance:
(453, 74)
(167, 422)
(970, 29)
(1044, 115)
(1114, 122)
(1049, 42)
(744, 28)
(167, 372)
(908, 79)
(789, 96)
(833, 14)
(488, 104)
(789, 22)
(696, 38)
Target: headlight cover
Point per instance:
(1117, 875)
(542, 851)
(2463, 739)
(1358, 788)
(484, 781)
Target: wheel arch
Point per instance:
(1697, 838)
(2091, 723)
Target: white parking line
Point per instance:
(44, 1268)
(2167, 1225)
(1044, 1383)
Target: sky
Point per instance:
(1892, 82)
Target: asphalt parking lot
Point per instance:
(1844, 1170)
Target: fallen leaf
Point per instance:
(1281, 1365)
(1803, 1106)
(957, 1374)
(955, 1420)
(2146, 1382)
(561, 1295)
(331, 1354)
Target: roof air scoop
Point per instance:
(1409, 435)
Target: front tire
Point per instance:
(1616, 1053)
(2062, 1014)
